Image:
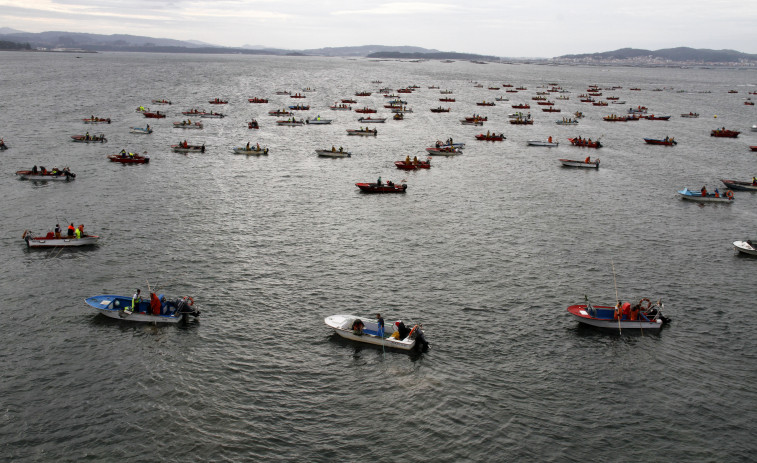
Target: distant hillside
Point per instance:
(5, 45)
(682, 54)
(365, 50)
(432, 55)
(59, 39)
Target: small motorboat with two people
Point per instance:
(444, 150)
(333, 153)
(87, 138)
(156, 309)
(251, 149)
(381, 187)
(317, 120)
(413, 164)
(253, 124)
(97, 120)
(188, 124)
(41, 173)
(667, 141)
(291, 122)
(55, 239)
(703, 196)
(371, 330)
(125, 157)
(585, 164)
(185, 147)
(623, 316)
(364, 131)
(741, 185)
(372, 120)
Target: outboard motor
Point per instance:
(184, 308)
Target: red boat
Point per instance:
(667, 141)
(749, 103)
(257, 100)
(585, 143)
(218, 101)
(521, 106)
(96, 120)
(365, 110)
(652, 117)
(413, 165)
(447, 100)
(485, 103)
(404, 90)
(363, 94)
(522, 121)
(476, 119)
(545, 103)
(349, 101)
(599, 103)
(297, 95)
(387, 187)
(253, 124)
(490, 137)
(129, 158)
(155, 115)
(753, 148)
(724, 133)
(550, 110)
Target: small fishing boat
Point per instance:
(444, 151)
(490, 137)
(652, 117)
(340, 107)
(317, 120)
(638, 110)
(129, 158)
(87, 138)
(567, 122)
(401, 110)
(3, 146)
(667, 141)
(184, 147)
(723, 133)
(388, 187)
(413, 165)
(333, 153)
(280, 112)
(698, 196)
(447, 100)
(501, 98)
(283, 92)
(188, 125)
(155, 115)
(363, 131)
(440, 110)
(522, 121)
(366, 330)
(551, 110)
(754, 128)
(585, 164)
(641, 316)
(615, 118)
(212, 115)
(363, 94)
(141, 130)
(50, 240)
(299, 107)
(690, 115)
(473, 121)
(366, 110)
(97, 120)
(521, 106)
(548, 143)
(251, 150)
(297, 95)
(193, 112)
(398, 117)
(583, 142)
(372, 120)
(753, 148)
(253, 124)
(161, 102)
(291, 122)
(746, 247)
(740, 185)
(485, 103)
(257, 100)
(157, 309)
(348, 101)
(449, 143)
(43, 174)
(218, 101)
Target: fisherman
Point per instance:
(71, 230)
(407, 160)
(588, 159)
(754, 181)
(136, 299)
(57, 231)
(380, 325)
(247, 148)
(378, 182)
(34, 170)
(77, 232)
(704, 192)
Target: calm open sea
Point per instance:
(486, 249)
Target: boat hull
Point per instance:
(63, 242)
(341, 324)
(262, 151)
(333, 154)
(739, 185)
(113, 306)
(580, 164)
(28, 175)
(384, 188)
(689, 195)
(603, 318)
(543, 143)
(745, 247)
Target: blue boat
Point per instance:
(157, 309)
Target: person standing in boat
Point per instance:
(136, 299)
(378, 183)
(704, 192)
(380, 325)
(71, 230)
(77, 232)
(34, 170)
(57, 231)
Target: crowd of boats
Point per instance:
(643, 315)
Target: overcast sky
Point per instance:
(524, 28)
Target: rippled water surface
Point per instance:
(486, 249)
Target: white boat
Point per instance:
(695, 115)
(290, 123)
(618, 102)
(548, 143)
(567, 122)
(347, 326)
(584, 164)
(142, 130)
(318, 120)
(363, 132)
(401, 110)
(708, 198)
(502, 98)
(372, 120)
(211, 115)
(746, 247)
(333, 153)
(256, 150)
(754, 128)
(187, 125)
(119, 307)
(644, 317)
(50, 241)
